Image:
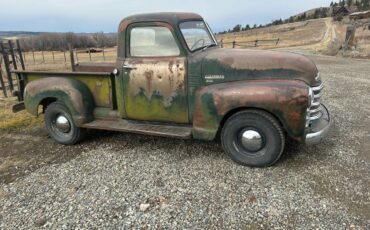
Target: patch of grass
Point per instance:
(10, 120)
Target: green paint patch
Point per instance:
(139, 107)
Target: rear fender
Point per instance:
(73, 93)
(287, 100)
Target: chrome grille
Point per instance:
(315, 109)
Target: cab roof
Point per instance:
(172, 18)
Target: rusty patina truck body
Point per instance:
(172, 79)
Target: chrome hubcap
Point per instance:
(62, 124)
(251, 140)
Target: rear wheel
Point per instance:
(60, 125)
(253, 138)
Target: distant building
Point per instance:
(360, 15)
(338, 12)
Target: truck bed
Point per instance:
(101, 84)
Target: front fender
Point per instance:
(73, 93)
(285, 99)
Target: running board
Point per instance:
(182, 132)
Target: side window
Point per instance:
(152, 41)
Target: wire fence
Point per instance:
(12, 58)
(250, 44)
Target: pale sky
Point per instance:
(104, 15)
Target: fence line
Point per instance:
(254, 43)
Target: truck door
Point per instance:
(154, 73)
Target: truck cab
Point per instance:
(172, 79)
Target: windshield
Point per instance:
(197, 35)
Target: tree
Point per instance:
(237, 28)
(324, 13)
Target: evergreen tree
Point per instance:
(237, 28)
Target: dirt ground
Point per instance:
(323, 186)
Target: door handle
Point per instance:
(129, 67)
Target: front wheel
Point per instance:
(253, 138)
(60, 125)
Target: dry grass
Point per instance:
(10, 120)
(308, 33)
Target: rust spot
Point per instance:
(170, 65)
(150, 74)
(149, 78)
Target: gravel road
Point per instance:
(122, 180)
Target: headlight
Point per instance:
(115, 71)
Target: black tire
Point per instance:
(70, 137)
(271, 133)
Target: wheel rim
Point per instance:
(62, 124)
(251, 140)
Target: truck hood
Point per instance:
(224, 65)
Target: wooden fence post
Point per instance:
(11, 48)
(88, 49)
(234, 43)
(52, 53)
(33, 55)
(75, 50)
(20, 55)
(103, 54)
(72, 57)
(43, 57)
(2, 81)
(7, 66)
(65, 58)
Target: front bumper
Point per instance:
(319, 129)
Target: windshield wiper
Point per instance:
(207, 46)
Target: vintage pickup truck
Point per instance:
(172, 79)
